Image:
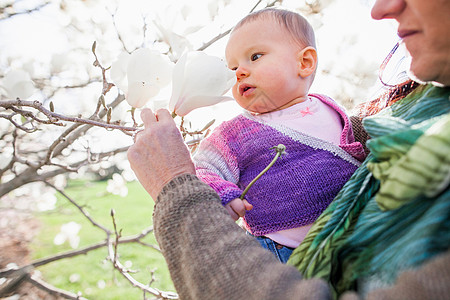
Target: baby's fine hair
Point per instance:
(299, 28)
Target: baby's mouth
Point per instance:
(245, 89)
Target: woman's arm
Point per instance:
(210, 257)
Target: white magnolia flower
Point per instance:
(69, 232)
(199, 80)
(58, 62)
(117, 185)
(75, 277)
(18, 84)
(101, 284)
(118, 71)
(141, 75)
(47, 201)
(178, 42)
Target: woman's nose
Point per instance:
(387, 9)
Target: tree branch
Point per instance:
(112, 256)
(52, 117)
(10, 272)
(223, 34)
(45, 286)
(13, 14)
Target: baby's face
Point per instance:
(265, 59)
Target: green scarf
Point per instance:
(394, 213)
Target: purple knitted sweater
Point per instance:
(298, 187)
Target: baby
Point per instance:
(273, 54)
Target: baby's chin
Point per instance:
(259, 109)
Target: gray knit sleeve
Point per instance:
(210, 257)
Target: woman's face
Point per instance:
(424, 27)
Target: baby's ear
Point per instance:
(307, 61)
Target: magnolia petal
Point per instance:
(198, 101)
(15, 76)
(58, 62)
(199, 80)
(118, 71)
(147, 72)
(59, 239)
(140, 92)
(149, 66)
(177, 81)
(17, 83)
(231, 76)
(22, 90)
(178, 43)
(204, 75)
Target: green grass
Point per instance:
(132, 214)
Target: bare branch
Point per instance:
(112, 256)
(12, 161)
(54, 118)
(9, 272)
(30, 174)
(17, 125)
(119, 36)
(215, 39)
(81, 209)
(13, 14)
(8, 287)
(224, 34)
(106, 85)
(34, 280)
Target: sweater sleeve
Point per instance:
(429, 281)
(216, 164)
(210, 257)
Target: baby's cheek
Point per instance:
(235, 91)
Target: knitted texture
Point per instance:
(298, 187)
(210, 257)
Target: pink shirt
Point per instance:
(314, 118)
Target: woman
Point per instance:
(369, 230)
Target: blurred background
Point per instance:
(58, 184)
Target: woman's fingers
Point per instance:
(148, 117)
(163, 115)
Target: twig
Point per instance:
(112, 256)
(191, 133)
(106, 85)
(24, 12)
(53, 117)
(30, 174)
(8, 272)
(223, 34)
(34, 280)
(10, 286)
(119, 36)
(81, 209)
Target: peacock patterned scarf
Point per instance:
(394, 213)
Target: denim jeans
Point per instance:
(281, 252)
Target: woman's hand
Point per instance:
(159, 153)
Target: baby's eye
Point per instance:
(255, 56)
